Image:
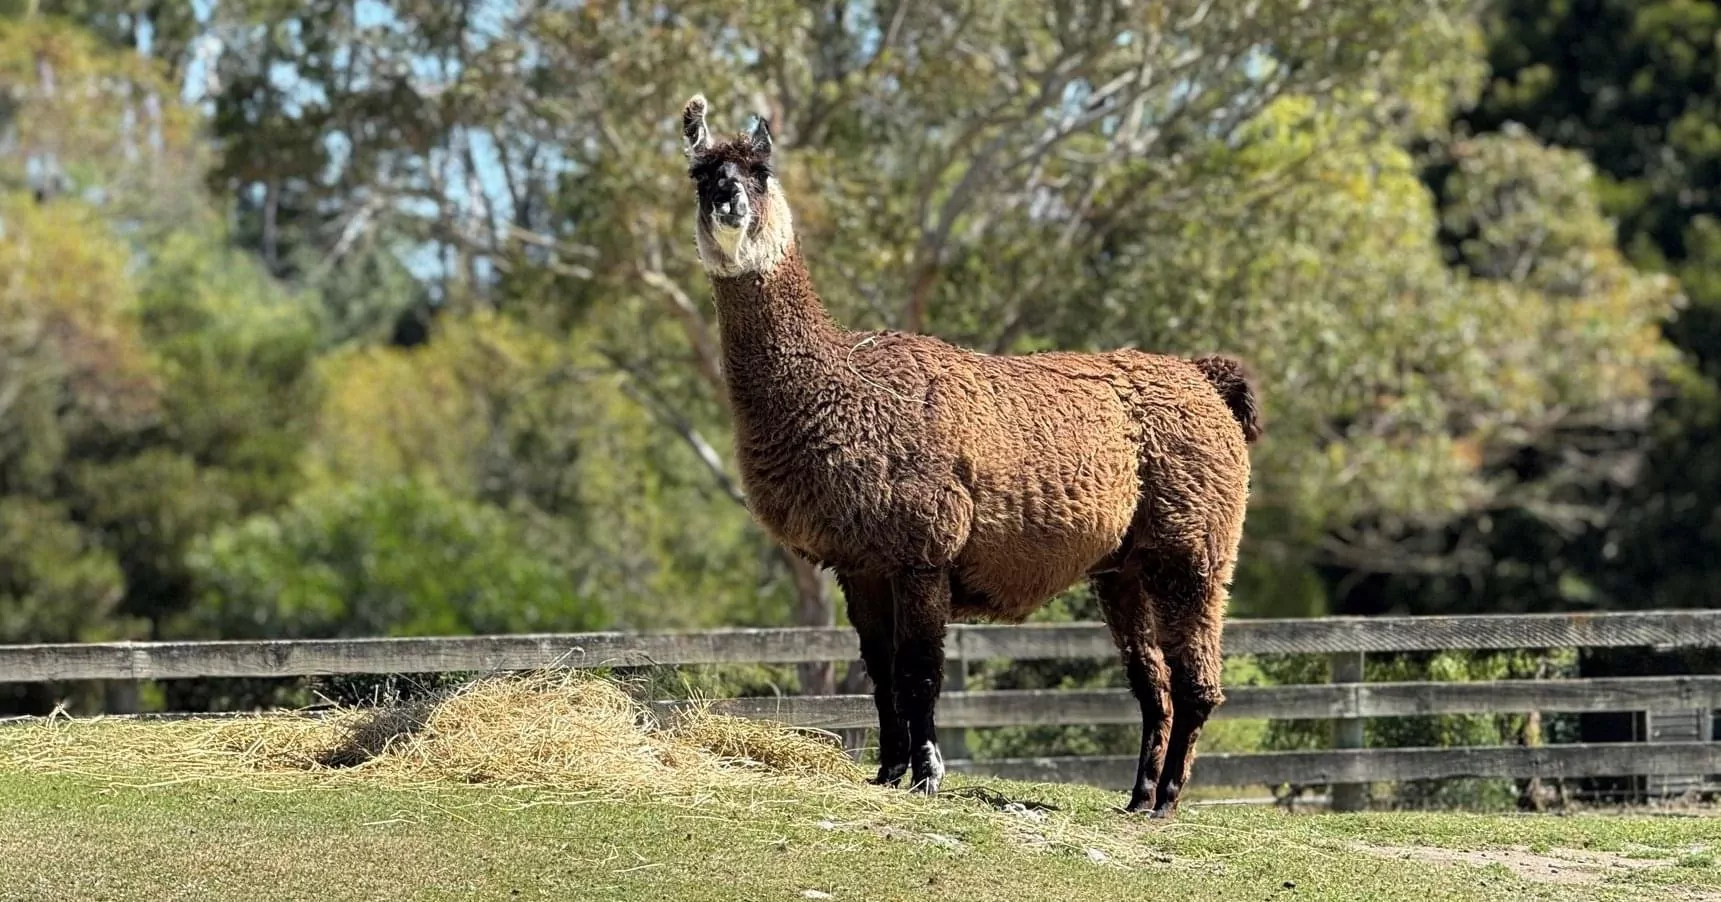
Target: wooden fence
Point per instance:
(1347, 701)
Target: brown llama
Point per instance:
(942, 484)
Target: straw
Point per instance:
(557, 731)
(559, 737)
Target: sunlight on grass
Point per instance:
(565, 787)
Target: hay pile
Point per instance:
(555, 738)
(556, 732)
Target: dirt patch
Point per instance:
(1561, 866)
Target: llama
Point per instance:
(941, 484)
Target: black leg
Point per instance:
(1127, 613)
(1147, 680)
(1195, 692)
(922, 613)
(1187, 592)
(870, 610)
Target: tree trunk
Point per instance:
(813, 607)
(121, 697)
(1530, 794)
(855, 682)
(271, 239)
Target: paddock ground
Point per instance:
(78, 837)
(564, 788)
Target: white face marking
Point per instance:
(729, 252)
(729, 239)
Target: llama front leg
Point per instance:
(870, 610)
(922, 606)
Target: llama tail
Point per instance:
(1231, 379)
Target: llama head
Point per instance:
(744, 224)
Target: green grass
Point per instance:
(79, 837)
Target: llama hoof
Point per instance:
(889, 775)
(1139, 804)
(1163, 812)
(928, 770)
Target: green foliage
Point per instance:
(1162, 176)
(75, 381)
(390, 559)
(493, 411)
(485, 409)
(1634, 86)
(234, 360)
(74, 371)
(152, 382)
(54, 584)
(83, 120)
(236, 354)
(194, 344)
(1448, 730)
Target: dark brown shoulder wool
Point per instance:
(942, 484)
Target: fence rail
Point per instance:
(1360, 766)
(317, 657)
(1027, 707)
(1346, 701)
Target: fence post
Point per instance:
(953, 742)
(121, 697)
(1347, 733)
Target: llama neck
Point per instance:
(777, 336)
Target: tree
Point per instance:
(71, 370)
(1175, 176)
(74, 375)
(153, 382)
(1180, 177)
(1634, 86)
(394, 558)
(492, 411)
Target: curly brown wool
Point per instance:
(942, 484)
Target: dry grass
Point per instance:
(564, 738)
(555, 732)
(702, 805)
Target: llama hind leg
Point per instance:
(1191, 618)
(922, 608)
(1131, 620)
(1195, 694)
(870, 610)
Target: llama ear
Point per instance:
(693, 126)
(760, 136)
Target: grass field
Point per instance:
(69, 837)
(222, 812)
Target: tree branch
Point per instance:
(640, 389)
(705, 352)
